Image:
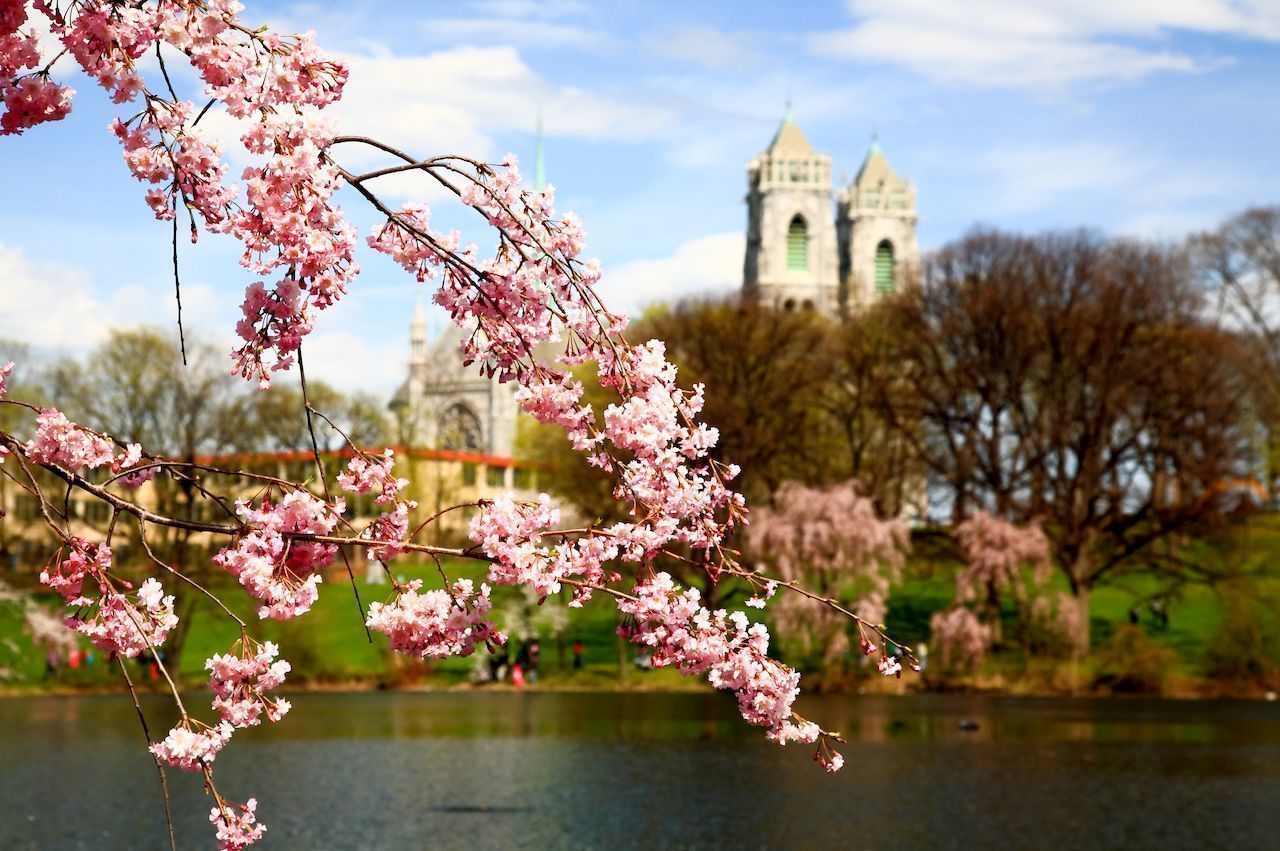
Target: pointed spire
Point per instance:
(789, 141)
(875, 168)
(539, 167)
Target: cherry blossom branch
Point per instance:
(831, 602)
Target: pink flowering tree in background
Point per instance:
(45, 627)
(831, 542)
(962, 641)
(998, 555)
(300, 254)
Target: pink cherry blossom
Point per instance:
(730, 651)
(279, 570)
(392, 527)
(241, 679)
(191, 746)
(116, 624)
(67, 572)
(511, 533)
(237, 829)
(62, 442)
(889, 666)
(831, 541)
(365, 474)
(27, 96)
(131, 458)
(436, 623)
(533, 296)
(102, 610)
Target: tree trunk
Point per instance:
(1078, 618)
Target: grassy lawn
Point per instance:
(329, 644)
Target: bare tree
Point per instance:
(878, 452)
(1239, 265)
(1071, 380)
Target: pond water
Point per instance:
(543, 770)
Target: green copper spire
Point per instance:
(539, 167)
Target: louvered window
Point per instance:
(797, 246)
(884, 268)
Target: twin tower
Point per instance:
(798, 255)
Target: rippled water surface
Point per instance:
(537, 770)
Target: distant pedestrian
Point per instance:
(51, 662)
(577, 654)
(535, 653)
(73, 659)
(517, 675)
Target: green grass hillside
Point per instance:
(1229, 632)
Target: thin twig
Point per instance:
(324, 482)
(177, 285)
(164, 782)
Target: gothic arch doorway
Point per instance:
(460, 428)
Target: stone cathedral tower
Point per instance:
(803, 254)
(791, 238)
(876, 226)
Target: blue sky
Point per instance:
(1140, 117)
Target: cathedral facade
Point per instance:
(811, 247)
(445, 405)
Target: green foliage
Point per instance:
(1246, 647)
(1134, 662)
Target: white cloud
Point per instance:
(1010, 43)
(47, 303)
(57, 305)
(708, 265)
(454, 102)
(351, 362)
(453, 99)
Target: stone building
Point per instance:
(802, 253)
(444, 405)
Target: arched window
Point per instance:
(460, 428)
(797, 245)
(884, 268)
